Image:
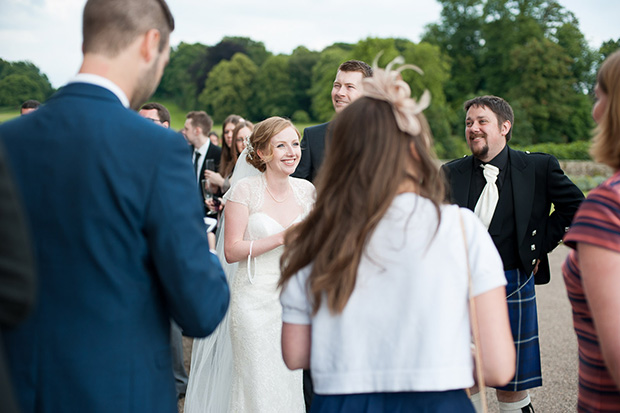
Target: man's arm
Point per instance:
(565, 197)
(192, 279)
(17, 270)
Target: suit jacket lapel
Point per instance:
(523, 175)
(461, 181)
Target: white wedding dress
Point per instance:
(252, 377)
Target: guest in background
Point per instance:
(214, 138)
(29, 106)
(239, 135)
(206, 156)
(347, 88)
(376, 277)
(227, 162)
(591, 269)
(512, 192)
(156, 113)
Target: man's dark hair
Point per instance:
(356, 66)
(31, 104)
(109, 26)
(499, 106)
(162, 112)
(200, 119)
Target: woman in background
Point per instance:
(228, 159)
(376, 277)
(591, 269)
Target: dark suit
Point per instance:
(312, 152)
(17, 276)
(537, 182)
(214, 153)
(118, 255)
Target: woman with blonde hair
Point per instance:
(375, 279)
(591, 269)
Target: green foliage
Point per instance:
(300, 66)
(20, 81)
(229, 88)
(323, 75)
(274, 96)
(573, 151)
(181, 81)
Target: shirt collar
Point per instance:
(204, 148)
(102, 82)
(500, 160)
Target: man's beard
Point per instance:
(146, 86)
(480, 152)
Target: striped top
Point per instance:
(597, 223)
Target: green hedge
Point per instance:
(565, 151)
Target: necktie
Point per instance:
(196, 157)
(485, 207)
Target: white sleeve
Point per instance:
(487, 269)
(240, 192)
(296, 307)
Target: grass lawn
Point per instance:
(8, 114)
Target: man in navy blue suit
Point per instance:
(119, 252)
(347, 88)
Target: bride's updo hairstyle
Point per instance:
(259, 141)
(381, 143)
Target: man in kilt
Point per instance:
(512, 193)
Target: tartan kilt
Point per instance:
(521, 298)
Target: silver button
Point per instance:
(533, 247)
(534, 262)
(534, 233)
(566, 229)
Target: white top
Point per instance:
(203, 153)
(406, 325)
(102, 82)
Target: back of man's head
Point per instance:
(110, 26)
(201, 120)
(29, 106)
(162, 113)
(356, 66)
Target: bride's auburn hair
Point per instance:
(367, 160)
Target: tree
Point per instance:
(323, 75)
(300, 66)
(228, 89)
(20, 81)
(180, 81)
(544, 90)
(274, 95)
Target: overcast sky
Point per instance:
(48, 32)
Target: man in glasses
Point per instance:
(156, 113)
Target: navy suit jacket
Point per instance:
(537, 182)
(118, 255)
(312, 152)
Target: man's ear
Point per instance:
(150, 45)
(506, 125)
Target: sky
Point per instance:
(48, 32)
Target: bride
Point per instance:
(240, 368)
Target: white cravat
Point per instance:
(485, 207)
